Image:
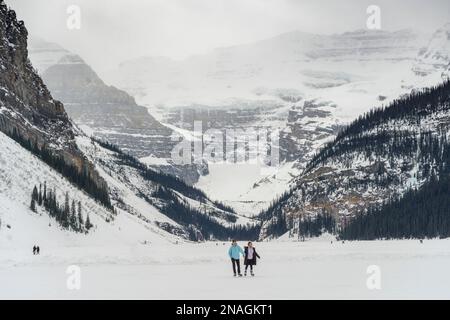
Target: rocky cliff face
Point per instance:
(105, 111)
(308, 126)
(435, 56)
(26, 105)
(110, 112)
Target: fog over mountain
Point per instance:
(180, 28)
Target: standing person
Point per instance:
(38, 249)
(34, 250)
(234, 252)
(250, 256)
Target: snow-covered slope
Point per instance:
(135, 220)
(247, 187)
(20, 227)
(131, 191)
(378, 158)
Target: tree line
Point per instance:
(199, 225)
(68, 215)
(81, 179)
(161, 178)
(196, 221)
(412, 108)
(309, 227)
(275, 216)
(423, 213)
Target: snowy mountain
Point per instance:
(278, 69)
(105, 111)
(90, 102)
(379, 158)
(29, 114)
(50, 169)
(435, 57)
(307, 86)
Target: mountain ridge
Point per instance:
(104, 111)
(379, 157)
(30, 114)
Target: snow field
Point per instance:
(287, 270)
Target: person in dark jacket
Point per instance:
(250, 256)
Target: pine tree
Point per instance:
(73, 218)
(44, 196)
(35, 194)
(40, 195)
(47, 201)
(65, 218)
(33, 205)
(88, 224)
(80, 217)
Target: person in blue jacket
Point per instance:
(235, 253)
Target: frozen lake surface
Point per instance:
(287, 270)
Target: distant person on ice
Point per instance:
(250, 256)
(235, 252)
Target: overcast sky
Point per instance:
(116, 30)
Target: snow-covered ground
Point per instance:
(16, 184)
(247, 187)
(287, 270)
